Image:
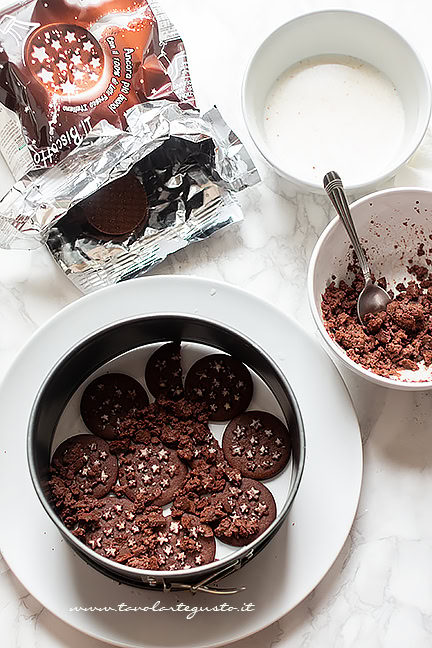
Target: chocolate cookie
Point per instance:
(119, 530)
(250, 510)
(118, 208)
(151, 472)
(86, 465)
(258, 444)
(185, 543)
(125, 534)
(117, 525)
(223, 383)
(163, 372)
(108, 399)
(66, 59)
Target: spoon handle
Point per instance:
(334, 188)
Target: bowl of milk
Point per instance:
(336, 90)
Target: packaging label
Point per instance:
(13, 145)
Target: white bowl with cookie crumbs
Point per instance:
(336, 89)
(395, 229)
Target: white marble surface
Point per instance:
(379, 591)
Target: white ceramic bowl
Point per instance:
(343, 33)
(391, 225)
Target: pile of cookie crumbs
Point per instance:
(393, 340)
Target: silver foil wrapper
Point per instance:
(191, 166)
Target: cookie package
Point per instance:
(98, 91)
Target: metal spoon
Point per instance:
(372, 298)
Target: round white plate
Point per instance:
(281, 575)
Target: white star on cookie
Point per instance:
(46, 76)
(76, 59)
(68, 88)
(40, 54)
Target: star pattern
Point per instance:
(66, 59)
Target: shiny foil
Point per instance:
(191, 166)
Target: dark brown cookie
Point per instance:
(108, 399)
(86, 465)
(185, 543)
(250, 509)
(118, 208)
(123, 532)
(223, 383)
(66, 59)
(257, 443)
(152, 473)
(116, 527)
(163, 372)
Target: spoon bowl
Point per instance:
(372, 299)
